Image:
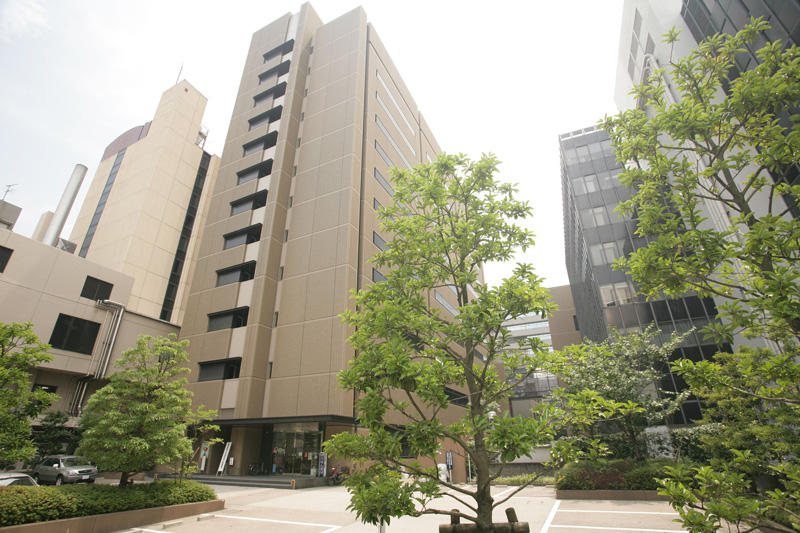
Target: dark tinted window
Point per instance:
(235, 318)
(248, 203)
(378, 240)
(377, 276)
(96, 289)
(242, 236)
(74, 334)
(237, 273)
(225, 369)
(5, 255)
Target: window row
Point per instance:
(396, 125)
(396, 105)
(391, 141)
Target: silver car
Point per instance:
(58, 469)
(8, 479)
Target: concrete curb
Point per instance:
(106, 523)
(635, 495)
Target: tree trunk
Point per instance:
(123, 479)
(483, 495)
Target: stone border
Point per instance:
(636, 495)
(106, 523)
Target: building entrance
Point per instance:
(295, 448)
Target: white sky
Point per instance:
(505, 77)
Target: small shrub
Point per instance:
(524, 478)
(22, 505)
(689, 444)
(615, 474)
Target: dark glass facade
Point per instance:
(595, 236)
(708, 17)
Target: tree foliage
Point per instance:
(696, 156)
(139, 420)
(449, 218)
(617, 380)
(54, 436)
(20, 353)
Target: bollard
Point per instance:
(512, 526)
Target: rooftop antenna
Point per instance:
(179, 75)
(8, 190)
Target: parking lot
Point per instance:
(324, 510)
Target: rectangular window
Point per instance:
(255, 172)
(384, 156)
(249, 202)
(268, 117)
(275, 320)
(47, 388)
(260, 144)
(396, 105)
(279, 50)
(396, 125)
(237, 273)
(391, 141)
(222, 369)
(383, 183)
(377, 276)
(280, 273)
(378, 241)
(242, 236)
(232, 318)
(74, 334)
(376, 205)
(456, 398)
(5, 255)
(453, 310)
(96, 289)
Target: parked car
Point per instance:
(16, 478)
(60, 469)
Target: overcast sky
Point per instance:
(504, 77)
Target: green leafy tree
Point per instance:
(622, 373)
(448, 219)
(20, 353)
(704, 151)
(139, 420)
(54, 436)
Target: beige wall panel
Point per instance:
(316, 347)
(207, 393)
(301, 219)
(297, 257)
(326, 212)
(238, 336)
(324, 246)
(215, 345)
(230, 390)
(287, 352)
(293, 299)
(283, 394)
(319, 299)
(313, 395)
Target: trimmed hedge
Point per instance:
(615, 474)
(22, 505)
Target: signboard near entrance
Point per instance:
(204, 455)
(225, 453)
(449, 460)
(323, 464)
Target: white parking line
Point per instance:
(615, 512)
(330, 527)
(553, 511)
(623, 529)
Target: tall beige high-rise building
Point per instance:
(321, 118)
(139, 214)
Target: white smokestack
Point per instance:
(64, 205)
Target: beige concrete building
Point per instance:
(139, 214)
(321, 118)
(59, 293)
